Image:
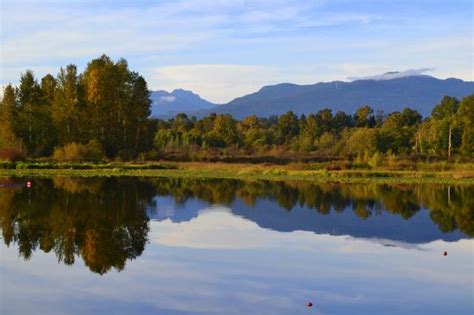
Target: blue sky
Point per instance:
(222, 49)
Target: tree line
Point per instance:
(104, 112)
(107, 106)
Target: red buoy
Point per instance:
(309, 304)
(28, 184)
(445, 253)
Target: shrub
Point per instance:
(337, 166)
(375, 160)
(11, 154)
(92, 151)
(7, 165)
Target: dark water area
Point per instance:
(187, 246)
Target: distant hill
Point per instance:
(420, 92)
(165, 104)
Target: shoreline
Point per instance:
(255, 172)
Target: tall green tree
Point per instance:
(224, 132)
(446, 124)
(325, 120)
(48, 89)
(254, 134)
(398, 131)
(35, 126)
(65, 110)
(310, 130)
(135, 115)
(8, 109)
(287, 127)
(466, 116)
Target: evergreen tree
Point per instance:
(8, 110)
(34, 120)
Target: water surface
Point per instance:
(181, 246)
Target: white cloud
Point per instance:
(217, 83)
(169, 99)
(394, 74)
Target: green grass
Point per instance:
(241, 171)
(83, 166)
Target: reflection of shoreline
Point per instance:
(450, 208)
(105, 221)
(6, 182)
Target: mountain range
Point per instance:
(165, 104)
(420, 92)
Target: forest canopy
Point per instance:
(104, 113)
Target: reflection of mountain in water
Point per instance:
(269, 215)
(417, 229)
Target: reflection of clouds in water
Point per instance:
(389, 243)
(219, 263)
(217, 228)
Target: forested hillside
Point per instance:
(419, 92)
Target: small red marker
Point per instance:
(309, 304)
(445, 253)
(28, 184)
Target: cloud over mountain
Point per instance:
(393, 74)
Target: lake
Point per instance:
(192, 246)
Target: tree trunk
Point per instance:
(449, 195)
(67, 129)
(419, 142)
(138, 137)
(449, 142)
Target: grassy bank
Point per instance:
(322, 172)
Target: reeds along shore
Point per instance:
(327, 171)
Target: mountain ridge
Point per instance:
(168, 104)
(419, 92)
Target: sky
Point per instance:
(222, 49)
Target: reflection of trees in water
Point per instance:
(103, 221)
(450, 207)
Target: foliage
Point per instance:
(92, 151)
(323, 134)
(107, 103)
(466, 113)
